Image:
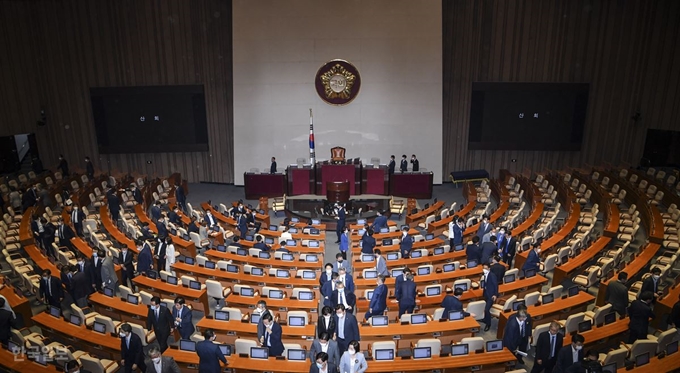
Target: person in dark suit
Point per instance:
(326, 323)
(30, 197)
(473, 252)
(339, 263)
(259, 244)
(403, 166)
(180, 196)
(484, 227)
(321, 363)
(193, 226)
(261, 309)
(114, 204)
(488, 249)
(272, 168)
(640, 312)
(89, 168)
(95, 266)
(617, 294)
(326, 276)
(341, 222)
(490, 294)
(161, 228)
(508, 248)
(38, 231)
(391, 165)
(242, 225)
(137, 194)
(406, 296)
(65, 233)
(406, 243)
(453, 303)
(131, 352)
(272, 335)
(568, 355)
(210, 219)
(155, 211)
(48, 236)
(496, 267)
(63, 165)
(516, 333)
(456, 230)
(7, 322)
(66, 275)
(548, 345)
(368, 242)
(346, 279)
(51, 291)
(209, 354)
(147, 234)
(173, 216)
(651, 284)
(533, 260)
(160, 320)
(328, 288)
(415, 163)
(144, 258)
(81, 285)
(378, 302)
(127, 272)
(379, 222)
(166, 364)
(77, 217)
(347, 329)
(183, 317)
(159, 253)
(343, 297)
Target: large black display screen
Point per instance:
(527, 116)
(153, 119)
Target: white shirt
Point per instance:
(158, 366)
(324, 347)
(574, 354)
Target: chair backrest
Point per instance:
(556, 291)
(384, 345)
(571, 325)
(665, 338)
(537, 331)
(140, 331)
(617, 356)
(598, 317)
(532, 298)
(91, 364)
(474, 343)
(438, 313)
(507, 306)
(213, 287)
(242, 346)
(642, 346)
(434, 344)
(107, 321)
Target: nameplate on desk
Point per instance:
(283, 309)
(396, 337)
(436, 334)
(474, 330)
(475, 368)
(231, 333)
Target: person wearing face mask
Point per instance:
(484, 228)
(183, 318)
(640, 312)
(261, 309)
(51, 291)
(326, 276)
(456, 229)
(549, 344)
(652, 284)
(144, 258)
(569, 355)
(352, 360)
(406, 243)
(415, 163)
(406, 296)
(131, 352)
(533, 260)
(127, 271)
(367, 242)
(95, 265)
(516, 333)
(508, 248)
(339, 263)
(342, 297)
(490, 293)
(346, 279)
(346, 328)
(81, 287)
(160, 364)
(209, 354)
(344, 242)
(321, 364)
(109, 276)
(378, 302)
(160, 320)
(326, 323)
(272, 335)
(328, 288)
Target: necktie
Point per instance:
(61, 232)
(127, 342)
(341, 328)
(521, 330)
(49, 286)
(81, 268)
(552, 346)
(156, 314)
(179, 313)
(342, 297)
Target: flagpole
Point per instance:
(312, 153)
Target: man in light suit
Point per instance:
(406, 243)
(160, 364)
(131, 353)
(378, 302)
(403, 166)
(490, 294)
(209, 354)
(517, 332)
(159, 319)
(379, 222)
(569, 355)
(347, 329)
(183, 316)
(325, 344)
(392, 165)
(484, 227)
(339, 263)
(346, 279)
(549, 344)
(380, 264)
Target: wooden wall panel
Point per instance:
(626, 50)
(54, 51)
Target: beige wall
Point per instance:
(280, 45)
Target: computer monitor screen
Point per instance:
(292, 230)
(269, 241)
(316, 221)
(152, 274)
(429, 236)
(255, 318)
(361, 221)
(508, 278)
(99, 327)
(294, 220)
(75, 320)
(290, 243)
(187, 345)
(221, 316)
(573, 291)
(397, 272)
(456, 315)
(297, 355)
(189, 261)
(471, 264)
(108, 292)
(547, 298)
(609, 318)
(448, 267)
(249, 237)
(369, 295)
(305, 295)
(379, 321)
(458, 248)
(282, 273)
(384, 230)
(221, 248)
(256, 271)
(418, 318)
(367, 257)
(296, 321)
(461, 349)
(530, 273)
(215, 228)
(515, 305)
(273, 228)
(416, 254)
(422, 353)
(432, 291)
(259, 353)
(264, 255)
(308, 275)
(225, 349)
(247, 292)
(210, 265)
(275, 294)
(233, 268)
(438, 250)
(383, 354)
(287, 257)
(172, 280)
(392, 256)
(642, 359)
(370, 274)
(463, 286)
(132, 299)
(241, 252)
(422, 271)
(361, 232)
(609, 368)
(387, 242)
(672, 348)
(195, 285)
(313, 244)
(492, 346)
(584, 326)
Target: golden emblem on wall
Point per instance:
(337, 82)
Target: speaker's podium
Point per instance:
(337, 191)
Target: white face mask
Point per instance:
(329, 271)
(122, 335)
(45, 278)
(538, 251)
(351, 351)
(656, 277)
(319, 365)
(578, 348)
(156, 360)
(155, 308)
(486, 271)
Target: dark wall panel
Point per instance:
(626, 50)
(53, 51)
